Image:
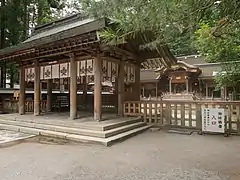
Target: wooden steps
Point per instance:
(106, 134)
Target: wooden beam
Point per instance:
(66, 52)
(81, 58)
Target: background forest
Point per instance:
(207, 27)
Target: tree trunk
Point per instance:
(2, 42)
(11, 76)
(3, 24)
(25, 20)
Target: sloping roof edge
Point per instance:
(90, 26)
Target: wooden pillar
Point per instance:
(73, 87)
(187, 85)
(156, 90)
(206, 90)
(22, 91)
(3, 74)
(143, 88)
(200, 86)
(85, 90)
(116, 93)
(170, 85)
(97, 88)
(49, 94)
(225, 93)
(191, 85)
(37, 89)
(121, 89)
(68, 96)
(137, 84)
(41, 90)
(61, 85)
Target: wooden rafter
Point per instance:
(154, 63)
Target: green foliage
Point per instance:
(45, 10)
(223, 47)
(168, 22)
(211, 27)
(220, 42)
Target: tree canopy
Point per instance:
(207, 27)
(170, 21)
(218, 39)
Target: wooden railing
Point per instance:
(29, 106)
(184, 114)
(11, 106)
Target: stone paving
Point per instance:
(62, 118)
(148, 156)
(6, 136)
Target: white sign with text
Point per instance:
(213, 120)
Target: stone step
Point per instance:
(54, 134)
(120, 137)
(122, 129)
(74, 137)
(78, 131)
(114, 125)
(103, 126)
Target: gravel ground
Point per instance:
(148, 156)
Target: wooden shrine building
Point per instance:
(190, 77)
(71, 52)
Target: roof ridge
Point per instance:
(58, 22)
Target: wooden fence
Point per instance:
(29, 106)
(109, 102)
(183, 114)
(11, 106)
